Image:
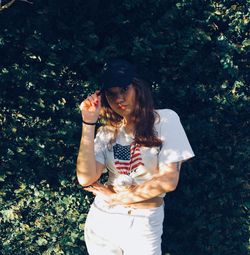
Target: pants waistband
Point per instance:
(121, 209)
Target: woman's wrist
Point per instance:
(89, 123)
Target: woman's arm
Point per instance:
(88, 170)
(163, 182)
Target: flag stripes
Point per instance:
(127, 158)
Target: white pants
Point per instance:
(120, 230)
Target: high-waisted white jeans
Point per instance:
(120, 230)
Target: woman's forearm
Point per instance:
(163, 182)
(158, 185)
(86, 165)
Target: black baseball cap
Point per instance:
(117, 73)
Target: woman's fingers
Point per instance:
(96, 98)
(88, 104)
(91, 100)
(90, 107)
(98, 188)
(90, 189)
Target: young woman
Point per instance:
(142, 149)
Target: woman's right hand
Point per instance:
(90, 107)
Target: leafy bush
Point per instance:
(36, 219)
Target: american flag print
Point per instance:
(127, 158)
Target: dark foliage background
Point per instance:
(195, 55)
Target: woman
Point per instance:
(142, 149)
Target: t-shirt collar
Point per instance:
(126, 135)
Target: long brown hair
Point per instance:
(144, 116)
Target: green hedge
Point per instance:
(36, 219)
(196, 56)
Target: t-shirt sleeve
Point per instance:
(176, 146)
(99, 146)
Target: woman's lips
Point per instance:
(123, 107)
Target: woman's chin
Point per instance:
(123, 112)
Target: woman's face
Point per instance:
(121, 100)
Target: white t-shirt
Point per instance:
(124, 157)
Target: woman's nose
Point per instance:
(119, 97)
